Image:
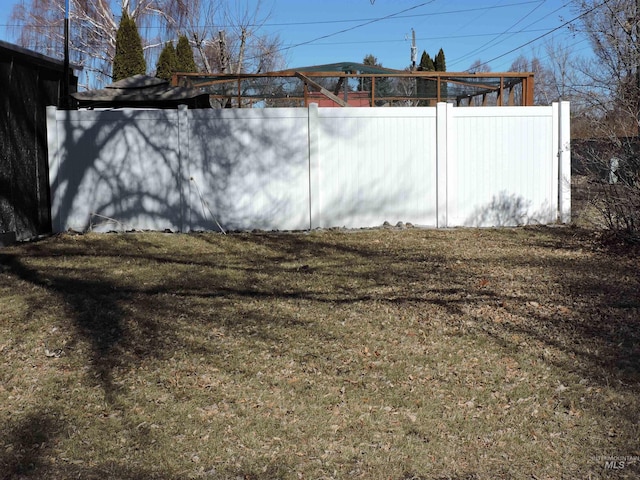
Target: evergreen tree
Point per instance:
(184, 53)
(129, 58)
(382, 86)
(426, 88)
(167, 62)
(440, 65)
(426, 64)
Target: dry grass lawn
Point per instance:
(377, 354)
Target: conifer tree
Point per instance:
(167, 62)
(129, 58)
(426, 64)
(184, 53)
(440, 65)
(382, 85)
(426, 88)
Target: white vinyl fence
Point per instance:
(302, 168)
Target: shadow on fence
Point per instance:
(130, 173)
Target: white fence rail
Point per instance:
(299, 168)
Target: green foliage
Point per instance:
(371, 61)
(426, 64)
(382, 84)
(184, 53)
(426, 88)
(167, 62)
(440, 64)
(429, 88)
(129, 58)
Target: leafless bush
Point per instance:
(612, 168)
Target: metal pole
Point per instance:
(65, 83)
(414, 50)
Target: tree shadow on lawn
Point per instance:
(25, 443)
(355, 269)
(314, 268)
(585, 320)
(95, 307)
(126, 323)
(594, 314)
(27, 453)
(321, 271)
(582, 302)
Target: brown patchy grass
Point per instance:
(399, 354)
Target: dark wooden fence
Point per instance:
(29, 82)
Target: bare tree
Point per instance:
(610, 96)
(542, 86)
(245, 49)
(405, 87)
(564, 81)
(478, 66)
(94, 23)
(93, 29)
(560, 73)
(612, 81)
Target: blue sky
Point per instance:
(466, 30)
(494, 31)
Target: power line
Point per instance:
(480, 48)
(421, 39)
(329, 22)
(403, 14)
(446, 37)
(583, 14)
(386, 17)
(414, 15)
(517, 32)
(568, 46)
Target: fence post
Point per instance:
(442, 112)
(564, 162)
(315, 209)
(53, 155)
(183, 161)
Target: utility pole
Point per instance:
(414, 50)
(65, 79)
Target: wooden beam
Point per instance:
(373, 91)
(501, 83)
(322, 90)
(527, 91)
(336, 90)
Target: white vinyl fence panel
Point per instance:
(367, 180)
(300, 168)
(122, 165)
(249, 168)
(505, 171)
